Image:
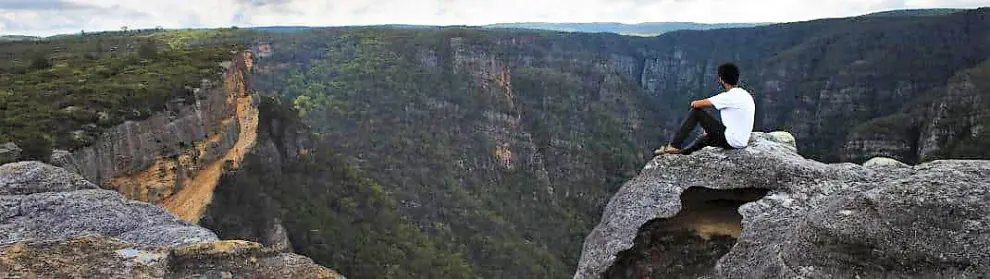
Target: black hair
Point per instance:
(729, 73)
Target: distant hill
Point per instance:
(640, 29)
(915, 12)
(657, 28)
(282, 28)
(9, 38)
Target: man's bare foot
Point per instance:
(667, 149)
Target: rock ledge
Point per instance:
(817, 220)
(55, 224)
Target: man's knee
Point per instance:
(698, 113)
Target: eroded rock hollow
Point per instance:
(688, 244)
(815, 220)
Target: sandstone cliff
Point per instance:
(175, 157)
(54, 223)
(767, 212)
(947, 122)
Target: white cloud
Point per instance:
(46, 17)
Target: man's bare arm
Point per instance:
(704, 103)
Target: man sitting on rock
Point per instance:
(736, 108)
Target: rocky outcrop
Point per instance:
(812, 220)
(95, 256)
(25, 178)
(55, 224)
(176, 156)
(9, 152)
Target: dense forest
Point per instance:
(471, 152)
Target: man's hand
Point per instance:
(701, 104)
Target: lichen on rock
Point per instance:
(883, 162)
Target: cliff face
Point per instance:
(238, 209)
(470, 132)
(175, 157)
(946, 122)
(54, 223)
(767, 212)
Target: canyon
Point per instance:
(493, 153)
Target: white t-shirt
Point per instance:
(738, 111)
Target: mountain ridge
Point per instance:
(645, 29)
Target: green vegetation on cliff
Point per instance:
(331, 211)
(63, 92)
(336, 215)
(501, 165)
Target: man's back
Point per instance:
(738, 113)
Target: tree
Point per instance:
(36, 146)
(39, 61)
(148, 50)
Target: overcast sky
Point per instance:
(48, 17)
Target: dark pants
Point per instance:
(714, 132)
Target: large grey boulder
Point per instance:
(43, 202)
(98, 256)
(816, 220)
(54, 224)
(29, 177)
(9, 152)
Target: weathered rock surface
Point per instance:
(98, 256)
(9, 152)
(817, 220)
(30, 177)
(55, 224)
(42, 202)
